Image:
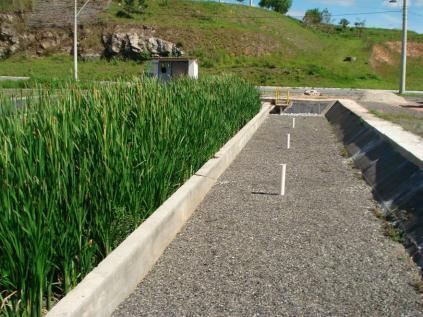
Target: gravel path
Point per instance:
(317, 251)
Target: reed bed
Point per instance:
(82, 169)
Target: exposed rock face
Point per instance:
(137, 44)
(131, 42)
(10, 39)
(47, 41)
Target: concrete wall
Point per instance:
(391, 162)
(101, 291)
(193, 69)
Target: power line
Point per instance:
(270, 17)
(358, 13)
(414, 13)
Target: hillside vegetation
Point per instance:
(15, 5)
(265, 47)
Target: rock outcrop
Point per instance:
(10, 39)
(137, 43)
(95, 41)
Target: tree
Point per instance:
(344, 23)
(359, 25)
(312, 17)
(315, 16)
(326, 16)
(128, 7)
(281, 6)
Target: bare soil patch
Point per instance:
(380, 55)
(414, 50)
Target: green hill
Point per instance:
(262, 46)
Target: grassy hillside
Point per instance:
(264, 47)
(15, 5)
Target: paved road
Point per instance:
(317, 251)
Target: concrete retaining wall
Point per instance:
(102, 290)
(391, 162)
(309, 106)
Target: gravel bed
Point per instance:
(317, 251)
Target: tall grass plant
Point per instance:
(82, 169)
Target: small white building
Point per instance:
(171, 67)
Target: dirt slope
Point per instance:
(50, 13)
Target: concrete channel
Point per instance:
(319, 250)
(247, 251)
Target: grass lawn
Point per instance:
(47, 70)
(264, 70)
(409, 122)
(15, 5)
(270, 49)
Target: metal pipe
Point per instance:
(283, 174)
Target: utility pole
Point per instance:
(75, 42)
(404, 48)
(403, 76)
(75, 37)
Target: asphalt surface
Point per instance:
(317, 251)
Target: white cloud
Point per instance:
(344, 3)
(296, 13)
(393, 20)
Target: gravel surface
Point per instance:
(395, 110)
(317, 251)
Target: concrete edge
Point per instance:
(410, 143)
(390, 163)
(104, 288)
(13, 78)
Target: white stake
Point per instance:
(288, 145)
(282, 192)
(293, 123)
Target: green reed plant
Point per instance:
(81, 169)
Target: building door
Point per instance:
(165, 70)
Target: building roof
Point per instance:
(174, 59)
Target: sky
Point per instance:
(379, 13)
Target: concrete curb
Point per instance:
(391, 161)
(102, 290)
(13, 78)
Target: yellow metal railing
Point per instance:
(278, 94)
